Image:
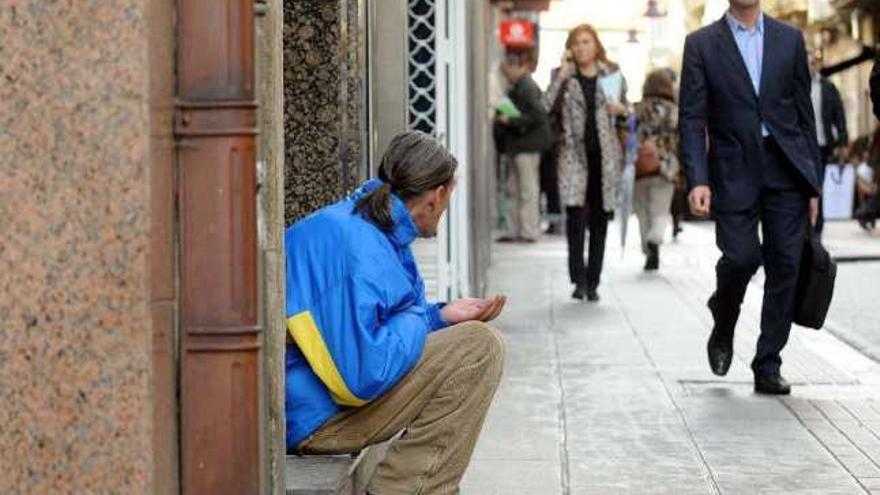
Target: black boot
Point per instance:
(652, 261)
(866, 216)
(580, 292)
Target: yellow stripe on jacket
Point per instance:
(307, 336)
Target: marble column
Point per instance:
(323, 102)
(76, 151)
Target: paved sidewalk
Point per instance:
(617, 397)
(846, 241)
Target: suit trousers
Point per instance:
(439, 405)
(523, 188)
(782, 211)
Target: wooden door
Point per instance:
(220, 334)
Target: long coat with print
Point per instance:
(657, 120)
(572, 153)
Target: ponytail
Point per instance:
(377, 207)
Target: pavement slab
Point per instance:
(617, 396)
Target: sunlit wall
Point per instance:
(658, 42)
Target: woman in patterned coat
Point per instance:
(590, 157)
(657, 166)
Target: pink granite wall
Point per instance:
(75, 330)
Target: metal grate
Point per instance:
(422, 64)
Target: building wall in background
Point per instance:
(75, 157)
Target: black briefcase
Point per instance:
(815, 285)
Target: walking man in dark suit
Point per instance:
(830, 118)
(746, 84)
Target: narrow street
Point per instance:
(617, 397)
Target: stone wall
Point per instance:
(75, 327)
(323, 103)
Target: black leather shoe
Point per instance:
(579, 293)
(719, 349)
(771, 384)
(720, 355)
(652, 260)
(592, 295)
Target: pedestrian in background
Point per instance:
(657, 163)
(867, 214)
(590, 156)
(525, 134)
(679, 207)
(830, 123)
(875, 85)
(868, 174)
(752, 100)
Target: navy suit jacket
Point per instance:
(718, 100)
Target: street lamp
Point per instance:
(633, 36)
(653, 11)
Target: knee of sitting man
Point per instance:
(488, 341)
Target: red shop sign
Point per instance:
(517, 33)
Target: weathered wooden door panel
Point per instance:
(220, 342)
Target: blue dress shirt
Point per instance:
(750, 42)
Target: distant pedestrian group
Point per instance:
(570, 143)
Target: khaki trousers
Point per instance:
(524, 191)
(652, 199)
(440, 403)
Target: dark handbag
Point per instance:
(815, 284)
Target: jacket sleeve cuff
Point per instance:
(435, 320)
(696, 176)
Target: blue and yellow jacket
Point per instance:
(356, 310)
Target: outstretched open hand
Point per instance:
(473, 309)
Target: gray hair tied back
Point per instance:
(414, 163)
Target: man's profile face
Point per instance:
(511, 71)
(439, 202)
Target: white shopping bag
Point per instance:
(838, 192)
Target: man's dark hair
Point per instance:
(413, 164)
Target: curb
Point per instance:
(852, 339)
(856, 258)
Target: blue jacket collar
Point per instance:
(404, 231)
